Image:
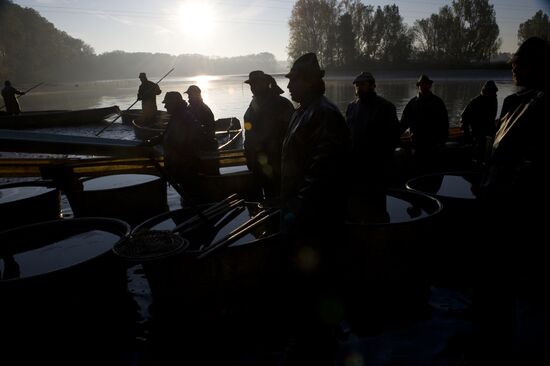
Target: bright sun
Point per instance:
(196, 19)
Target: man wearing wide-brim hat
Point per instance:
(266, 121)
(425, 115)
(315, 153)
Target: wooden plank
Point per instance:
(34, 167)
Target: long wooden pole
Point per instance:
(137, 100)
(26, 91)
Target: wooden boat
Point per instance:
(229, 132)
(144, 132)
(56, 118)
(128, 116)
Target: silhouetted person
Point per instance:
(315, 153)
(147, 93)
(183, 141)
(203, 114)
(375, 135)
(513, 300)
(426, 117)
(478, 121)
(10, 100)
(266, 121)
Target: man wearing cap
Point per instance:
(147, 93)
(513, 308)
(10, 100)
(313, 192)
(478, 121)
(265, 122)
(375, 135)
(203, 114)
(425, 115)
(183, 140)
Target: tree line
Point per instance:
(31, 49)
(349, 33)
(345, 34)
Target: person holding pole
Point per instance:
(147, 93)
(154, 99)
(10, 101)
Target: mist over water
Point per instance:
(228, 96)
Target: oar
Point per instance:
(26, 91)
(130, 107)
(260, 218)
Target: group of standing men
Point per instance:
(315, 180)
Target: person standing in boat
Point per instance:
(375, 134)
(182, 142)
(203, 114)
(10, 100)
(512, 303)
(313, 193)
(265, 122)
(479, 121)
(147, 93)
(425, 115)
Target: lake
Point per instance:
(228, 96)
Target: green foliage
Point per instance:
(462, 33)
(312, 29)
(363, 34)
(346, 51)
(33, 49)
(538, 26)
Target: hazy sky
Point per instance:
(223, 27)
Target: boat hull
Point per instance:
(48, 119)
